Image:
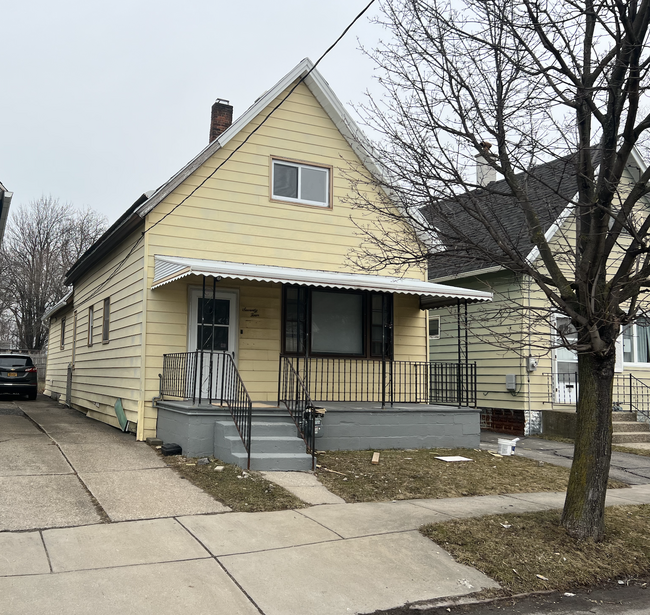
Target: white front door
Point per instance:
(213, 331)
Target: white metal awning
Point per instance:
(170, 268)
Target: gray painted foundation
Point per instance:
(408, 426)
(190, 427)
(344, 426)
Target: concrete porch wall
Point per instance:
(403, 427)
(344, 427)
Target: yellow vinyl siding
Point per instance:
(235, 205)
(57, 359)
(410, 329)
(105, 372)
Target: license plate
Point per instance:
(12, 374)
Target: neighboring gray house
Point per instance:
(5, 201)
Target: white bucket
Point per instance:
(507, 447)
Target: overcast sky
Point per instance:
(102, 101)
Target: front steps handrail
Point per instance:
(238, 400)
(632, 392)
(209, 376)
(293, 393)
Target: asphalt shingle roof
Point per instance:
(550, 187)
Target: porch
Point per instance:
(302, 341)
(324, 404)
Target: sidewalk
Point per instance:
(106, 527)
(628, 468)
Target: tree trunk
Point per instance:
(584, 507)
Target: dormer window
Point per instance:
(296, 182)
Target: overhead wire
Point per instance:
(119, 266)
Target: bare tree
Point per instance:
(42, 242)
(558, 88)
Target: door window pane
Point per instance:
(337, 323)
(219, 309)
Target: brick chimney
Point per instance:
(221, 118)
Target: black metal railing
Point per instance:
(562, 387)
(386, 382)
(294, 395)
(452, 383)
(631, 394)
(211, 377)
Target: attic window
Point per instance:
(300, 183)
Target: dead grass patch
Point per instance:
(241, 490)
(532, 552)
(415, 474)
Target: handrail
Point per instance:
(239, 402)
(294, 395)
(635, 394)
(211, 377)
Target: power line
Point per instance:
(135, 245)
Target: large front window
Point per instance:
(333, 322)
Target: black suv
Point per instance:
(18, 375)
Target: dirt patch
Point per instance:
(413, 474)
(241, 490)
(532, 552)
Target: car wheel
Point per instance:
(31, 395)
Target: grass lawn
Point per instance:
(239, 489)
(412, 474)
(531, 552)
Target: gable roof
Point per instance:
(551, 188)
(135, 215)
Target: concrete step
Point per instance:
(623, 417)
(271, 428)
(282, 450)
(267, 462)
(272, 416)
(631, 437)
(272, 444)
(620, 427)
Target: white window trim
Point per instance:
(433, 337)
(635, 350)
(327, 204)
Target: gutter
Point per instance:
(55, 309)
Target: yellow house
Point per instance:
(228, 296)
(526, 376)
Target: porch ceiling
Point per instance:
(170, 268)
